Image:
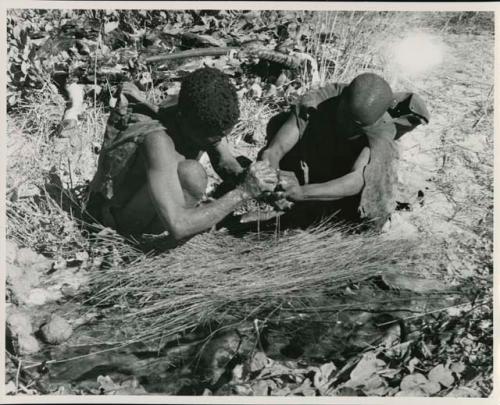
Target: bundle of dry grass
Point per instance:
(216, 278)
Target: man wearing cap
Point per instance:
(336, 151)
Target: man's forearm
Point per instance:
(273, 156)
(345, 186)
(229, 169)
(284, 140)
(224, 163)
(147, 108)
(191, 221)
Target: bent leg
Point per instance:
(140, 216)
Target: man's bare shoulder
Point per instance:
(158, 147)
(315, 97)
(159, 138)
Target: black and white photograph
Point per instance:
(276, 200)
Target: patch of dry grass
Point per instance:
(219, 278)
(47, 174)
(347, 43)
(251, 127)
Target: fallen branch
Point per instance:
(292, 61)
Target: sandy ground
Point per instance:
(444, 158)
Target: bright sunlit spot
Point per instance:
(416, 54)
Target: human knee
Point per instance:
(193, 178)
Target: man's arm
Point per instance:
(290, 132)
(166, 192)
(147, 108)
(284, 140)
(223, 161)
(348, 185)
(134, 95)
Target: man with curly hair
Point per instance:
(149, 179)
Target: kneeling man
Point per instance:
(149, 179)
(336, 151)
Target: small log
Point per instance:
(290, 61)
(191, 53)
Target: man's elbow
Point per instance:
(357, 182)
(178, 232)
(178, 228)
(176, 235)
(272, 155)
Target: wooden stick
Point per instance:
(191, 53)
(290, 61)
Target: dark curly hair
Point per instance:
(208, 98)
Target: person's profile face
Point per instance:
(197, 134)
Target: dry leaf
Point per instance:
(441, 375)
(392, 336)
(368, 366)
(412, 363)
(431, 388)
(282, 392)
(259, 361)
(110, 26)
(261, 388)
(130, 387)
(82, 256)
(458, 367)
(106, 384)
(322, 376)
(413, 381)
(418, 381)
(374, 386)
(305, 389)
(241, 389)
(277, 369)
(238, 372)
(10, 388)
(389, 373)
(399, 351)
(56, 330)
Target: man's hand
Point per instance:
(133, 94)
(260, 178)
(290, 185)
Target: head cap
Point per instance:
(368, 97)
